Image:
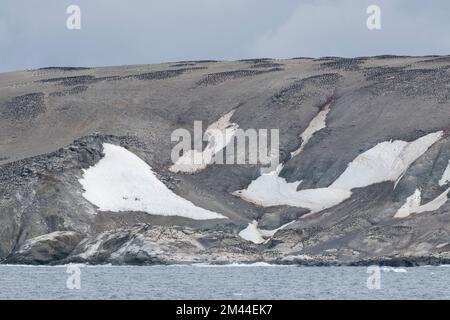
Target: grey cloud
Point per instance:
(33, 33)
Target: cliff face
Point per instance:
(364, 169)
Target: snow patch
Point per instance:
(251, 233)
(387, 161)
(121, 181)
(270, 189)
(254, 234)
(412, 204)
(218, 135)
(445, 176)
(316, 124)
(392, 269)
(235, 264)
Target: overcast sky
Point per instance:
(33, 33)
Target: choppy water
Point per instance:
(224, 282)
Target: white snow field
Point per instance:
(254, 234)
(53, 236)
(445, 176)
(121, 181)
(387, 161)
(218, 134)
(316, 124)
(269, 189)
(412, 204)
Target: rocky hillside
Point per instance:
(86, 173)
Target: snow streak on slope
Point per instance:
(387, 161)
(270, 189)
(121, 181)
(445, 176)
(218, 135)
(254, 234)
(251, 233)
(316, 124)
(412, 204)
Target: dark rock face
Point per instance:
(54, 122)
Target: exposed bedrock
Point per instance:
(364, 173)
(46, 249)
